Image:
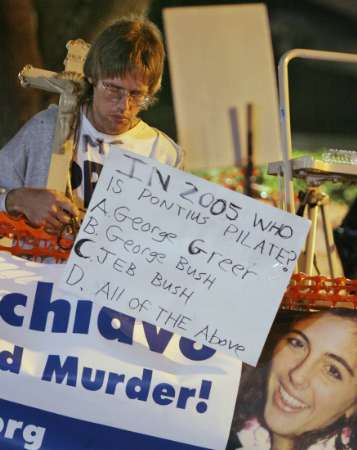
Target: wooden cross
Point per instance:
(70, 84)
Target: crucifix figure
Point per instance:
(70, 84)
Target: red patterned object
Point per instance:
(303, 292)
(318, 292)
(31, 243)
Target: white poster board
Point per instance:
(184, 254)
(221, 59)
(71, 379)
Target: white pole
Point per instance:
(285, 107)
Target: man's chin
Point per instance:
(118, 126)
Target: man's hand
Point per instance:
(42, 207)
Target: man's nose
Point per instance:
(124, 101)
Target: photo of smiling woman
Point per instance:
(305, 396)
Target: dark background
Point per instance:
(323, 96)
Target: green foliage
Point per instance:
(233, 178)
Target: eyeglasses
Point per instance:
(115, 94)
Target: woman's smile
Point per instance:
(287, 402)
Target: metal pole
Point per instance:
(285, 107)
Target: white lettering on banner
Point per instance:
(32, 435)
(184, 254)
(70, 354)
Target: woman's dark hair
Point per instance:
(252, 390)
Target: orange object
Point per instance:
(31, 243)
(303, 292)
(309, 292)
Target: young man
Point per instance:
(123, 69)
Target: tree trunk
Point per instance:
(18, 45)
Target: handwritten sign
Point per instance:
(70, 380)
(184, 254)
